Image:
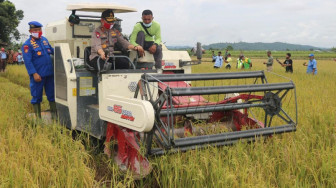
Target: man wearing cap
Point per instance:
(147, 36)
(103, 40)
(36, 54)
(3, 58)
(312, 65)
(269, 63)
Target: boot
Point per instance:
(37, 110)
(53, 110)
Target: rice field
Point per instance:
(50, 156)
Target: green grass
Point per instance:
(47, 156)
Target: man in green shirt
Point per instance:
(246, 62)
(269, 63)
(147, 36)
(240, 62)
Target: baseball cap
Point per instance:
(311, 55)
(108, 15)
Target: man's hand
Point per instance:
(140, 50)
(152, 49)
(37, 77)
(102, 56)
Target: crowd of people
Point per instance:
(10, 57)
(246, 63)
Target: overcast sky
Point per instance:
(184, 22)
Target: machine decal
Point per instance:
(85, 87)
(125, 114)
(74, 92)
(132, 86)
(39, 53)
(113, 34)
(87, 91)
(170, 65)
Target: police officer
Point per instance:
(36, 54)
(103, 40)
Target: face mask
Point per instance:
(147, 25)
(108, 25)
(37, 34)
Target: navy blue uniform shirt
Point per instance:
(36, 54)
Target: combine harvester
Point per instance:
(158, 113)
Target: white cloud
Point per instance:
(184, 22)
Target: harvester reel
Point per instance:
(274, 102)
(227, 118)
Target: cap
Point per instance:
(108, 15)
(311, 55)
(34, 24)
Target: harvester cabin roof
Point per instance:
(100, 7)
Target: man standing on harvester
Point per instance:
(147, 36)
(36, 54)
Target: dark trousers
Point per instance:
(146, 45)
(120, 63)
(3, 64)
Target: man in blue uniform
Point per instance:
(36, 54)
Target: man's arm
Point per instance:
(96, 44)
(124, 43)
(27, 54)
(28, 59)
(134, 34)
(158, 35)
(51, 48)
(314, 66)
